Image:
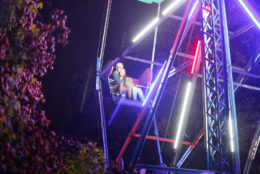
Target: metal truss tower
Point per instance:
(221, 138)
(220, 123)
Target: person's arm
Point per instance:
(116, 77)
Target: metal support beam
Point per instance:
(235, 69)
(233, 131)
(99, 84)
(191, 148)
(241, 31)
(219, 103)
(232, 34)
(179, 18)
(249, 67)
(157, 141)
(253, 150)
(162, 139)
(173, 169)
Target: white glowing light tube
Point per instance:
(145, 30)
(173, 6)
(193, 9)
(231, 134)
(249, 12)
(183, 111)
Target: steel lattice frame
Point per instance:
(218, 92)
(218, 101)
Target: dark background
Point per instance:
(64, 86)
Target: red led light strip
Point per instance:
(195, 58)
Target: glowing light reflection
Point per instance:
(145, 30)
(231, 134)
(249, 12)
(153, 85)
(173, 6)
(193, 9)
(183, 111)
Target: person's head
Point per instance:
(119, 66)
(122, 73)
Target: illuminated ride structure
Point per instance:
(219, 110)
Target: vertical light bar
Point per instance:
(249, 12)
(146, 29)
(183, 111)
(153, 85)
(174, 5)
(231, 134)
(195, 60)
(193, 9)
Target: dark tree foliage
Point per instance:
(27, 51)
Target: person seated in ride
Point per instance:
(144, 80)
(119, 82)
(133, 90)
(119, 75)
(137, 92)
(127, 86)
(122, 83)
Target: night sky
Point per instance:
(75, 63)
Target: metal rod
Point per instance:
(162, 139)
(249, 67)
(235, 69)
(179, 69)
(180, 18)
(197, 23)
(241, 31)
(191, 148)
(227, 57)
(157, 141)
(99, 84)
(143, 60)
(173, 169)
(103, 125)
(243, 72)
(155, 35)
(240, 85)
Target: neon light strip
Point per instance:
(257, 58)
(153, 85)
(145, 30)
(184, 107)
(231, 134)
(184, 157)
(114, 113)
(195, 58)
(193, 9)
(251, 15)
(172, 6)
